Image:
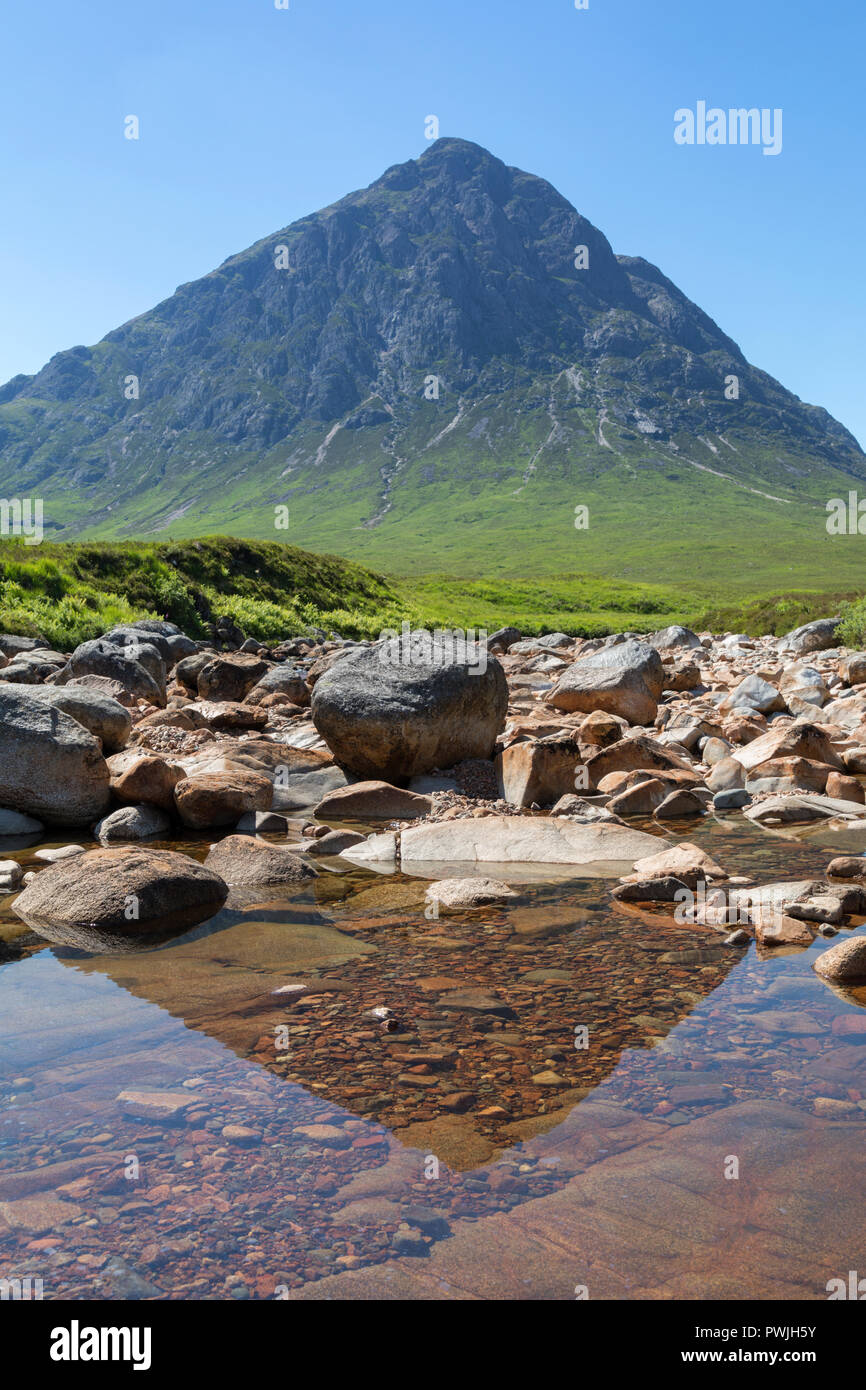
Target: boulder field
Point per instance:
(430, 752)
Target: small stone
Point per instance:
(239, 1134)
(407, 1242)
(832, 1109)
(51, 856)
(328, 1136)
(155, 1105)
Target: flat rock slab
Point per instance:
(42, 1213)
(796, 1024)
(655, 1220)
(803, 808)
(524, 839)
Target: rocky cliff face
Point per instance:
(427, 335)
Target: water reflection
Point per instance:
(301, 1147)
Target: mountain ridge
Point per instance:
(307, 386)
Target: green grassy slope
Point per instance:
(67, 593)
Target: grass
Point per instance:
(852, 629)
(69, 592)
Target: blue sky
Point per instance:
(252, 116)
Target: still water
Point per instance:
(578, 1098)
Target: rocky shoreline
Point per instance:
(427, 944)
(462, 758)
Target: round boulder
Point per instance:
(243, 860)
(144, 777)
(626, 680)
(96, 898)
(410, 704)
(284, 679)
(132, 823)
(104, 658)
(230, 677)
(845, 963)
(221, 798)
(458, 894)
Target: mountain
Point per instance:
(298, 375)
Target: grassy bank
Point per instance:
(69, 592)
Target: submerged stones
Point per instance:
(457, 894)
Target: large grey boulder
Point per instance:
(626, 679)
(819, 636)
(175, 645)
(51, 767)
(135, 641)
(158, 625)
(411, 704)
(103, 658)
(188, 668)
(181, 647)
(671, 637)
(99, 714)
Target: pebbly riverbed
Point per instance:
(170, 1128)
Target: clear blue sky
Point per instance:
(252, 116)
